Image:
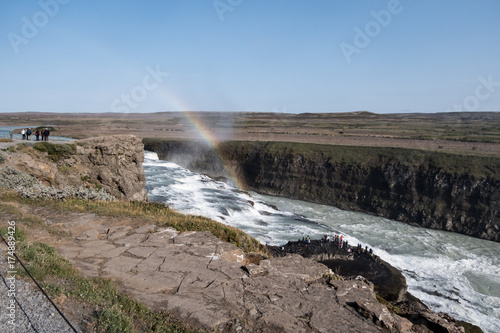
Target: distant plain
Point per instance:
(471, 133)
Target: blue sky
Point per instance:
(249, 55)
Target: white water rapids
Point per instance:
(450, 273)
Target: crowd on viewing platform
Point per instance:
(27, 133)
(331, 246)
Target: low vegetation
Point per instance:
(30, 187)
(56, 152)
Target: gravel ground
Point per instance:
(37, 313)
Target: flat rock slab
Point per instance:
(145, 229)
(118, 232)
(132, 239)
(113, 252)
(146, 283)
(94, 248)
(142, 251)
(161, 237)
(121, 264)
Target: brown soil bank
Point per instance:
(452, 192)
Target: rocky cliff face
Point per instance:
(433, 190)
(112, 163)
(115, 162)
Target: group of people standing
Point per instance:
(26, 134)
(339, 240)
(365, 250)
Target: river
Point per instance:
(4, 133)
(449, 272)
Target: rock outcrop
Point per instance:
(350, 261)
(429, 189)
(112, 163)
(115, 162)
(389, 284)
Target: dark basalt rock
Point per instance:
(351, 262)
(357, 264)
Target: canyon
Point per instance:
(203, 281)
(457, 193)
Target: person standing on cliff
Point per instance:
(11, 133)
(23, 133)
(37, 135)
(47, 133)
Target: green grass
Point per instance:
(56, 152)
(392, 308)
(30, 221)
(18, 233)
(64, 169)
(14, 148)
(112, 320)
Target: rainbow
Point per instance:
(210, 139)
(204, 133)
